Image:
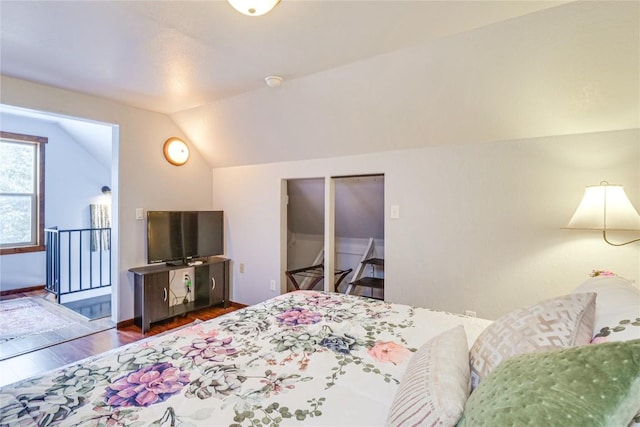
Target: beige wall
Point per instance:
(140, 176)
(480, 226)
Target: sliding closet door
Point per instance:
(359, 234)
(305, 232)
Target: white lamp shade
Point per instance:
(253, 7)
(605, 207)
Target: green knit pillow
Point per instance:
(591, 385)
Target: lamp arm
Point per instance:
(604, 236)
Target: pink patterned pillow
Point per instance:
(565, 321)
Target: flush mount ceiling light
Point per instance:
(253, 7)
(273, 81)
(176, 151)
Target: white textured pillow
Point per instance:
(565, 321)
(617, 308)
(617, 312)
(435, 386)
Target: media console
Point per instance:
(152, 291)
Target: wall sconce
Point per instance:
(176, 151)
(106, 190)
(253, 7)
(605, 207)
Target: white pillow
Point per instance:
(617, 308)
(617, 312)
(560, 322)
(436, 384)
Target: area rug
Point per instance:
(32, 323)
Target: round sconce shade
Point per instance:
(253, 7)
(176, 151)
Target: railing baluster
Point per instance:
(110, 252)
(47, 252)
(101, 259)
(67, 275)
(90, 263)
(58, 293)
(80, 256)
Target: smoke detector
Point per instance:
(273, 81)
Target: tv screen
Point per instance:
(176, 236)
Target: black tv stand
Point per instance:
(176, 263)
(152, 289)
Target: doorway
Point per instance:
(80, 171)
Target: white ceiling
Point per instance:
(169, 56)
(360, 76)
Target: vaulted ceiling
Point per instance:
(359, 76)
(168, 56)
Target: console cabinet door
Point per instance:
(156, 296)
(151, 291)
(217, 282)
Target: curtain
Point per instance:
(100, 218)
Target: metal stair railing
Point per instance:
(77, 260)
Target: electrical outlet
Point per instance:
(470, 313)
(272, 285)
(241, 267)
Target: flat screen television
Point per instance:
(175, 237)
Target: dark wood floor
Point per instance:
(40, 361)
(92, 308)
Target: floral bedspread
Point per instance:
(303, 358)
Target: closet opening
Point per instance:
(335, 234)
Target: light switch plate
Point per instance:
(139, 213)
(395, 211)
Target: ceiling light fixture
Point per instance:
(253, 7)
(273, 81)
(176, 151)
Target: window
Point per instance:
(21, 193)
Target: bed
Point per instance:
(316, 358)
(307, 358)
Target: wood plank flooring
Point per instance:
(40, 361)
